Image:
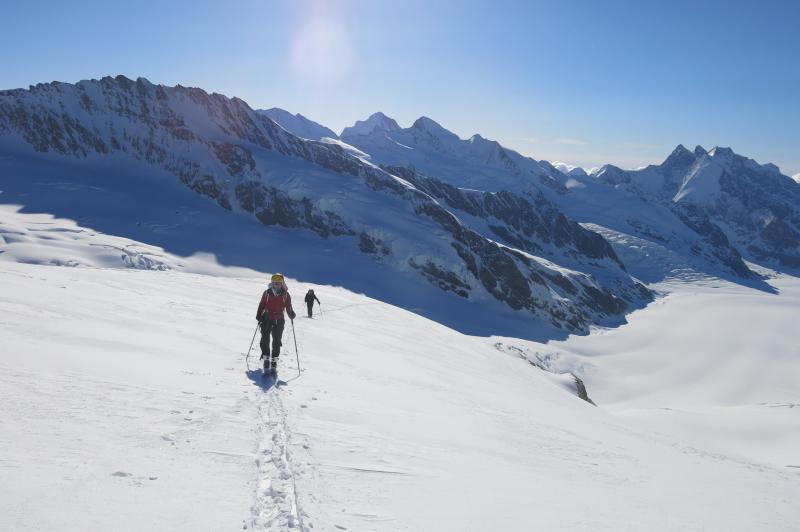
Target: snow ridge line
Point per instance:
(275, 507)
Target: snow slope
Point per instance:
(712, 361)
(298, 124)
(127, 403)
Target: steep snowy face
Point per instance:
(752, 205)
(676, 166)
(476, 163)
(298, 124)
(246, 163)
(377, 124)
(433, 129)
(425, 131)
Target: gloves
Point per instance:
(258, 319)
(291, 315)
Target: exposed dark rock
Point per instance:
(528, 222)
(720, 248)
(237, 159)
(372, 245)
(273, 207)
(563, 283)
(603, 300)
(444, 279)
(207, 186)
(581, 388)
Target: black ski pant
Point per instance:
(274, 328)
(310, 306)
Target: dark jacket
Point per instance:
(310, 297)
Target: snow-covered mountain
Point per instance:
(568, 169)
(565, 276)
(468, 216)
(753, 205)
(477, 163)
(297, 124)
(711, 207)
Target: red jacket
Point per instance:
(274, 304)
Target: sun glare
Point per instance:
(322, 51)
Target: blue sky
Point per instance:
(584, 82)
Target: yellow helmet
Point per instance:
(277, 278)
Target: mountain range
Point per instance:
(456, 229)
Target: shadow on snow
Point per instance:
(119, 199)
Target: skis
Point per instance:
(267, 372)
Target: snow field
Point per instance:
(422, 428)
(712, 362)
(126, 403)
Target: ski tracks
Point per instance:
(276, 506)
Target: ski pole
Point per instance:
(247, 358)
(297, 354)
(320, 310)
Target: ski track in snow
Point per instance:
(276, 506)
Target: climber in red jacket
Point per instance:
(274, 301)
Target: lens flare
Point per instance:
(322, 52)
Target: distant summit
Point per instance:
(476, 163)
(730, 199)
(569, 169)
(377, 122)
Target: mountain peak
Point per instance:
(478, 140)
(376, 122)
(433, 128)
(679, 150)
(699, 151)
(568, 169)
(680, 156)
(720, 152)
(426, 123)
(378, 115)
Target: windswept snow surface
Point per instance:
(712, 362)
(127, 403)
